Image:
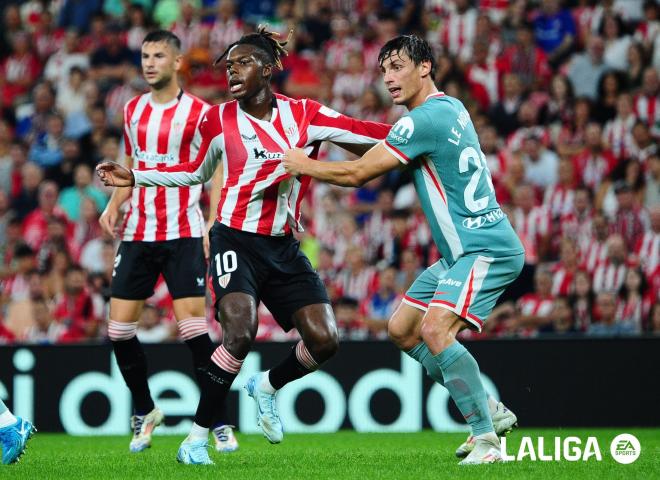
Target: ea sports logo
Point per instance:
(625, 448)
(404, 127)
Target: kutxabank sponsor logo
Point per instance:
(625, 449)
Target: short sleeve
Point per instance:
(410, 137)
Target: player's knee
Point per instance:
(324, 343)
(398, 335)
(437, 329)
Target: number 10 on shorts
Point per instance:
(224, 265)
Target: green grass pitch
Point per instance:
(424, 455)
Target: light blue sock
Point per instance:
(3, 407)
(462, 379)
(422, 354)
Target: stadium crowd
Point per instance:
(564, 95)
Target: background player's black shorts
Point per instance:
(138, 264)
(270, 269)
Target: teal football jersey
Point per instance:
(437, 140)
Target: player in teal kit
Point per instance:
(481, 253)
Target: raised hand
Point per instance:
(114, 175)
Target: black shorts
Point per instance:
(138, 265)
(270, 269)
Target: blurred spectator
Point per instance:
(561, 317)
(616, 42)
(26, 199)
(379, 307)
(652, 180)
(483, 77)
(610, 274)
(19, 70)
(582, 300)
(647, 102)
(71, 96)
(151, 329)
(137, 27)
(526, 60)
(618, 131)
(630, 220)
(594, 162)
(586, 69)
(74, 309)
(225, 28)
(349, 324)
(47, 37)
(608, 324)
(110, 60)
(340, 45)
(535, 308)
(78, 13)
(540, 162)
(504, 114)
(44, 330)
(357, 279)
(188, 26)
(559, 196)
(31, 118)
(576, 223)
(459, 28)
(634, 304)
(409, 269)
(15, 286)
(609, 88)
(563, 272)
(46, 149)
(555, 31)
(71, 198)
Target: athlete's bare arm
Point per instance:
(110, 215)
(374, 163)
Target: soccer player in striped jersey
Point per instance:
(162, 233)
(481, 253)
(14, 435)
(254, 256)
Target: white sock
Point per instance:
(264, 384)
(492, 404)
(489, 437)
(198, 433)
(6, 419)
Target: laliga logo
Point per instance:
(625, 449)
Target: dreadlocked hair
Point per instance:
(264, 40)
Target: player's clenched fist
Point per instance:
(114, 175)
(295, 161)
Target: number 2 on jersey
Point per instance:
(479, 160)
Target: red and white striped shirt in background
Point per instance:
(337, 53)
(357, 285)
(648, 252)
(618, 135)
(609, 277)
(160, 135)
(495, 9)
(647, 109)
(534, 224)
(484, 83)
(592, 254)
(577, 227)
(558, 199)
(258, 195)
(224, 33)
(190, 35)
(457, 35)
(532, 304)
(592, 169)
(633, 311)
(562, 280)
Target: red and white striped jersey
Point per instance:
(558, 200)
(258, 196)
(592, 254)
(155, 136)
(458, 31)
(618, 135)
(609, 277)
(647, 109)
(578, 227)
(357, 285)
(562, 280)
(534, 224)
(532, 304)
(648, 252)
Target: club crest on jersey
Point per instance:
(248, 138)
(223, 280)
(266, 155)
(290, 131)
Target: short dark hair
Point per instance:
(163, 36)
(416, 48)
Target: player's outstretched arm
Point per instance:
(374, 163)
